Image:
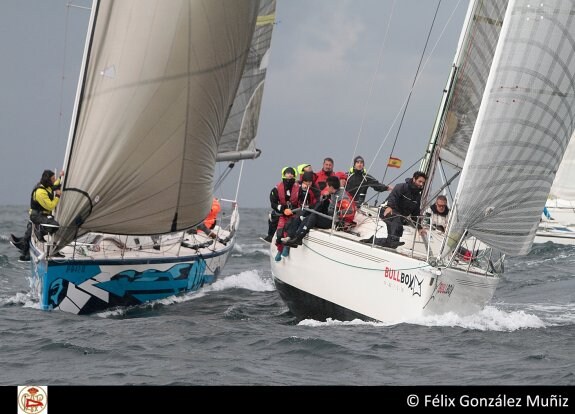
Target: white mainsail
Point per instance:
(160, 79)
(526, 118)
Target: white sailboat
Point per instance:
(167, 90)
(559, 227)
(504, 123)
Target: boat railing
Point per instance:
(91, 244)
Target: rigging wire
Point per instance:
(412, 86)
(63, 76)
(374, 76)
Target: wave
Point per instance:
(488, 319)
(249, 280)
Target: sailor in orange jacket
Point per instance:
(211, 219)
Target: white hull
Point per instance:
(107, 271)
(332, 275)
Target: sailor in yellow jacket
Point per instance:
(43, 200)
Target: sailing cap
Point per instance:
(358, 158)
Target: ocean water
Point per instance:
(239, 332)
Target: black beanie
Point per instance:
(358, 158)
(289, 170)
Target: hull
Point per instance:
(100, 272)
(82, 285)
(334, 276)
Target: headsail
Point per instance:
(237, 141)
(466, 85)
(526, 118)
(160, 78)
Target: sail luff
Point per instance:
(80, 86)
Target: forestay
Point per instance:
(160, 78)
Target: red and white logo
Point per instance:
(32, 399)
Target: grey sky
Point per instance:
(324, 56)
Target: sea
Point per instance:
(238, 332)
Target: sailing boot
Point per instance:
(278, 256)
(24, 257)
(19, 245)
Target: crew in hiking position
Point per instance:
(43, 201)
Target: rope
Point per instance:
(413, 87)
(361, 267)
(373, 79)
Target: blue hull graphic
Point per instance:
(83, 287)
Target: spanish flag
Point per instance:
(394, 162)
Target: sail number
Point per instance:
(75, 269)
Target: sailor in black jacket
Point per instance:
(404, 201)
(359, 181)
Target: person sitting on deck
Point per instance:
(403, 203)
(438, 213)
(333, 198)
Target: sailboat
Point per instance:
(503, 125)
(558, 225)
(167, 90)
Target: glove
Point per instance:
(288, 212)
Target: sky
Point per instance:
(339, 75)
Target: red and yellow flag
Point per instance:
(394, 162)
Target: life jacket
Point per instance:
(320, 179)
(210, 220)
(346, 208)
(35, 205)
(294, 195)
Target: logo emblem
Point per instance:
(32, 399)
